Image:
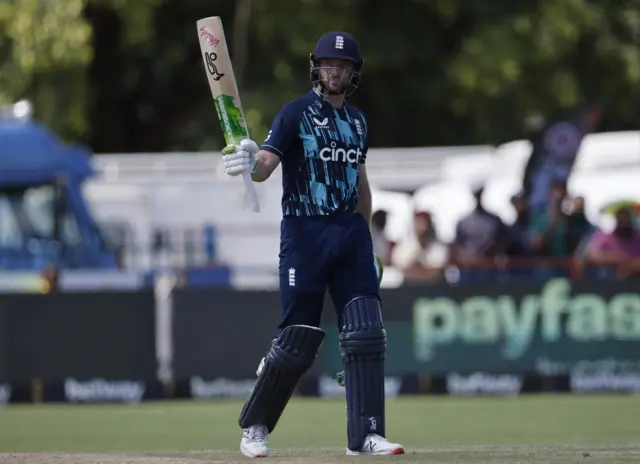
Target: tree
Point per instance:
(125, 76)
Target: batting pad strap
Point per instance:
(363, 343)
(291, 354)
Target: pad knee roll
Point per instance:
(362, 331)
(291, 354)
(363, 344)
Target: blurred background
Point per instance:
(505, 155)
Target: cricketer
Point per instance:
(321, 142)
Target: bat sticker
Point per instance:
(211, 66)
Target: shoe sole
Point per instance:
(393, 452)
(251, 455)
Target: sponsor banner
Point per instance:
(223, 332)
(548, 329)
(554, 336)
(101, 390)
(77, 335)
(605, 382)
(73, 390)
(201, 389)
(481, 383)
(97, 390)
(329, 387)
(609, 375)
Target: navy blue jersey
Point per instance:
(321, 149)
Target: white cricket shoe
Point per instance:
(254, 442)
(375, 445)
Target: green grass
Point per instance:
(563, 429)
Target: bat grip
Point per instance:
(251, 191)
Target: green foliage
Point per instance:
(44, 49)
(127, 76)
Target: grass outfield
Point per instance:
(533, 429)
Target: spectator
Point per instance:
(554, 232)
(519, 245)
(381, 244)
(422, 256)
(481, 236)
(580, 224)
(619, 249)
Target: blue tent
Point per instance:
(31, 155)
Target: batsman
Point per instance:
(321, 142)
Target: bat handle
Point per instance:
(251, 191)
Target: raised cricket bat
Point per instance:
(217, 64)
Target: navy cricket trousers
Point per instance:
(319, 253)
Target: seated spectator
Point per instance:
(381, 244)
(422, 256)
(619, 249)
(481, 237)
(579, 222)
(556, 233)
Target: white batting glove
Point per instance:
(240, 158)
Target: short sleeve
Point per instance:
(281, 135)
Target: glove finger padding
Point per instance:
(250, 146)
(243, 162)
(234, 171)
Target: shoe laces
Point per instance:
(375, 437)
(256, 433)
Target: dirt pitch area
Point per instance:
(460, 454)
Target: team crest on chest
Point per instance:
(358, 127)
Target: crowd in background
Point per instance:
(558, 241)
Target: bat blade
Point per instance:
(224, 89)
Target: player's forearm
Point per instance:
(266, 163)
(260, 172)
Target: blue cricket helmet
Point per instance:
(337, 45)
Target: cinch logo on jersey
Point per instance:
(340, 154)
